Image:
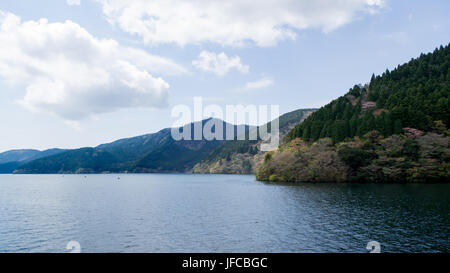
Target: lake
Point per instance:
(217, 213)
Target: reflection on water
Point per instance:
(217, 213)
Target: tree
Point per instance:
(411, 149)
(439, 127)
(356, 157)
(398, 127)
(413, 95)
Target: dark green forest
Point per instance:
(415, 95)
(391, 130)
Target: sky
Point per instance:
(78, 73)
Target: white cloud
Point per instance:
(231, 22)
(67, 71)
(219, 64)
(259, 84)
(73, 2)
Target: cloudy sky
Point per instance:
(77, 73)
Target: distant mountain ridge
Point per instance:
(17, 155)
(10, 160)
(150, 153)
(157, 152)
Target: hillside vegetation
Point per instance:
(11, 160)
(393, 129)
(150, 153)
(245, 156)
(415, 94)
(371, 159)
(154, 153)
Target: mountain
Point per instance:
(11, 160)
(130, 149)
(244, 157)
(84, 160)
(180, 156)
(26, 155)
(9, 167)
(415, 95)
(157, 152)
(393, 129)
(17, 155)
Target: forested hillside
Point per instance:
(393, 129)
(11, 160)
(415, 94)
(244, 156)
(157, 152)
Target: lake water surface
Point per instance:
(217, 213)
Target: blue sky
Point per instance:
(104, 69)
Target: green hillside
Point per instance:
(11, 160)
(181, 156)
(157, 152)
(393, 129)
(134, 148)
(17, 155)
(415, 94)
(244, 156)
(8, 168)
(84, 160)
